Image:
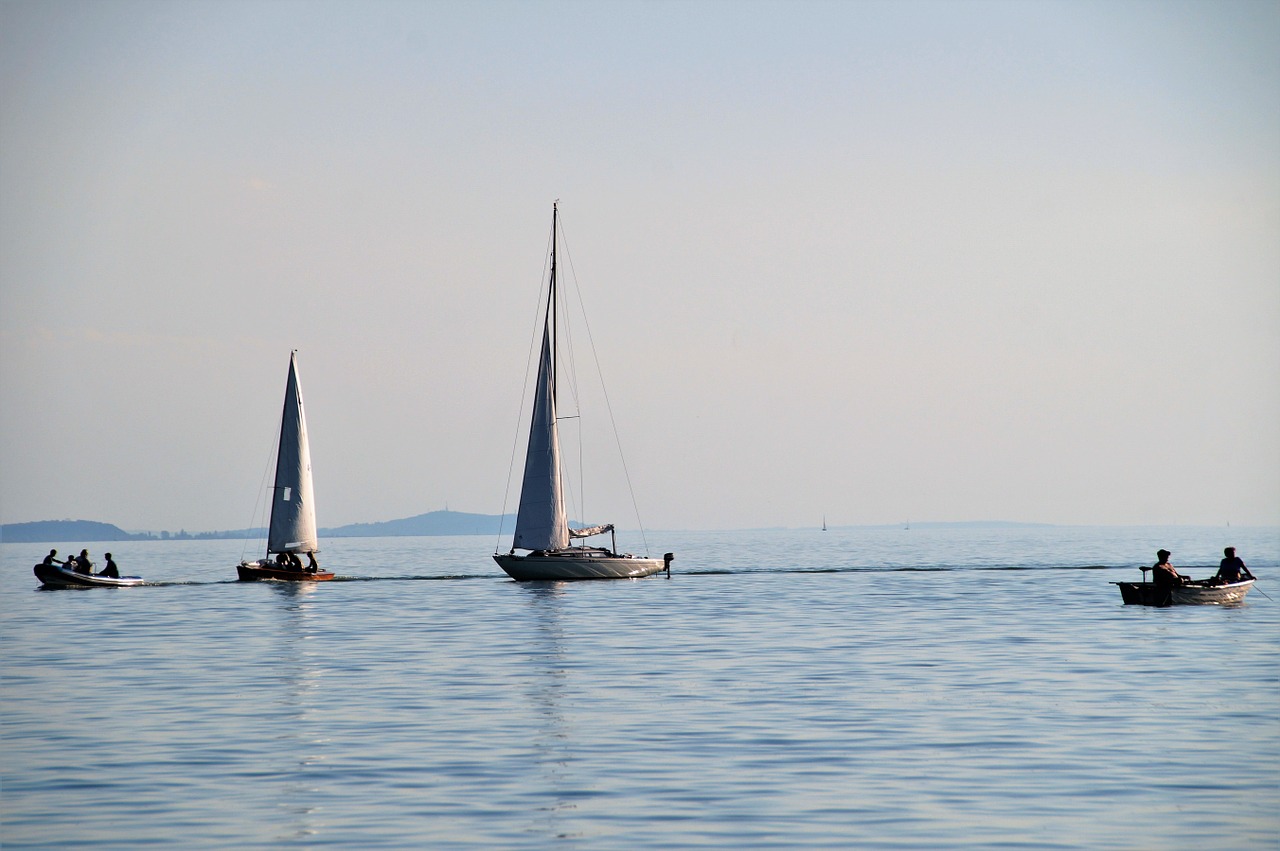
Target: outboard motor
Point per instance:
(667, 558)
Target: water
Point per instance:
(887, 688)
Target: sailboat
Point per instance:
(292, 530)
(542, 527)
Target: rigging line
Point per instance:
(524, 393)
(605, 392)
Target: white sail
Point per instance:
(293, 506)
(541, 523)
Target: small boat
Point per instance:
(59, 576)
(252, 571)
(542, 527)
(1192, 594)
(292, 530)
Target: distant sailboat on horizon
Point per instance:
(292, 529)
(542, 526)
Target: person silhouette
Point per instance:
(110, 571)
(1232, 568)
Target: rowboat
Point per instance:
(57, 576)
(1191, 594)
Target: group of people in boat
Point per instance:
(83, 564)
(290, 561)
(1232, 569)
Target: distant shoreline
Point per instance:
(434, 523)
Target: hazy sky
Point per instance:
(878, 261)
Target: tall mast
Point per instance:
(555, 336)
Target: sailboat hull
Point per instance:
(252, 571)
(571, 566)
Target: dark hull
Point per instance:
(255, 570)
(1148, 594)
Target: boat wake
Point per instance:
(435, 578)
(941, 568)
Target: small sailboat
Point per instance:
(542, 527)
(292, 530)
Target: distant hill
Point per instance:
(53, 531)
(431, 523)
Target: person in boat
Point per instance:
(83, 564)
(282, 560)
(51, 559)
(110, 571)
(313, 566)
(1231, 569)
(1163, 574)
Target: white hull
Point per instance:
(1210, 594)
(569, 566)
(1150, 594)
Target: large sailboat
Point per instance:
(542, 527)
(292, 530)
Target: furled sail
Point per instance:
(293, 508)
(541, 523)
(590, 530)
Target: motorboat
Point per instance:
(60, 576)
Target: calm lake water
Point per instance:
(858, 688)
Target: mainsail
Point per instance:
(293, 507)
(541, 523)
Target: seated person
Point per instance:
(83, 564)
(1164, 575)
(50, 558)
(1232, 568)
(110, 571)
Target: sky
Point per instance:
(872, 262)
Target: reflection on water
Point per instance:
(296, 748)
(546, 690)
